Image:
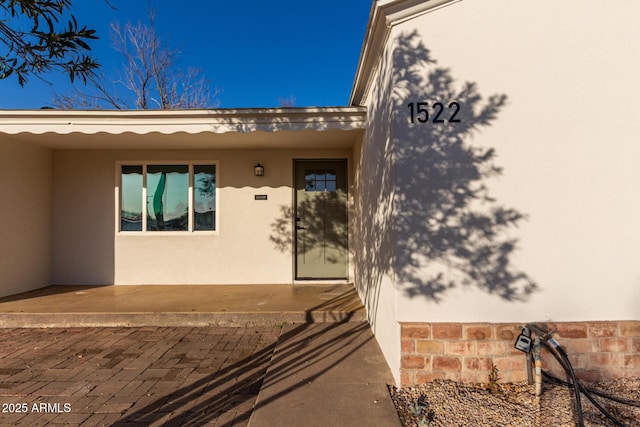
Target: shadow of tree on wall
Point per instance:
(450, 231)
(282, 230)
(422, 216)
(328, 230)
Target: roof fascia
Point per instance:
(384, 15)
(190, 121)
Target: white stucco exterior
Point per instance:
(550, 102)
(566, 138)
(63, 168)
(88, 248)
(25, 217)
(374, 216)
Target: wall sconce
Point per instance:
(258, 170)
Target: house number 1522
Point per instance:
(420, 112)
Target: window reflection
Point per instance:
(320, 180)
(131, 198)
(204, 197)
(167, 197)
(169, 205)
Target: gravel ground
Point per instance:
(449, 403)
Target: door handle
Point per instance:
(299, 227)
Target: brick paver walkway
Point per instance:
(132, 376)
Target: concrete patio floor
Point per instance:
(248, 355)
(184, 305)
(313, 374)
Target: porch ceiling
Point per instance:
(327, 127)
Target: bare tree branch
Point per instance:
(151, 77)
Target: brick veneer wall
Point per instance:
(466, 351)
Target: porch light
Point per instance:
(258, 170)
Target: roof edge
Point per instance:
(222, 113)
(190, 121)
(384, 15)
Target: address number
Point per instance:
(440, 114)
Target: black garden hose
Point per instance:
(561, 356)
(559, 381)
(587, 392)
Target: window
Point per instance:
(168, 197)
(320, 180)
(204, 197)
(131, 200)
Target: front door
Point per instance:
(321, 219)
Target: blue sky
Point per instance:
(255, 52)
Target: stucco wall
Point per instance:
(566, 138)
(25, 217)
(373, 218)
(87, 249)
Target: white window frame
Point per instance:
(144, 164)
